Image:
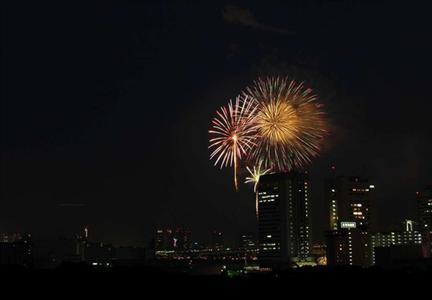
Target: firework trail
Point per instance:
(254, 178)
(276, 125)
(232, 133)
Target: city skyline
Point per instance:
(104, 121)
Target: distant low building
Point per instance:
(99, 253)
(318, 252)
(348, 247)
(218, 243)
(406, 237)
(168, 241)
(16, 249)
(247, 241)
(249, 246)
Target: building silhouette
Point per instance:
(424, 212)
(168, 241)
(348, 199)
(16, 249)
(348, 211)
(284, 219)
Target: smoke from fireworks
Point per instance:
(289, 124)
(232, 133)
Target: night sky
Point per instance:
(105, 108)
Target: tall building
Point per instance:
(348, 202)
(81, 244)
(348, 199)
(424, 209)
(284, 219)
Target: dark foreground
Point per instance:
(150, 277)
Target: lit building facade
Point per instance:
(247, 242)
(348, 199)
(348, 202)
(424, 209)
(408, 236)
(348, 246)
(248, 245)
(284, 219)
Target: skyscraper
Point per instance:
(424, 209)
(348, 202)
(348, 199)
(284, 219)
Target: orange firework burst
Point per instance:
(277, 125)
(232, 133)
(289, 124)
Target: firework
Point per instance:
(254, 178)
(289, 124)
(255, 175)
(232, 133)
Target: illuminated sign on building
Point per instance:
(348, 225)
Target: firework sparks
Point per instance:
(254, 178)
(276, 125)
(232, 133)
(289, 124)
(255, 174)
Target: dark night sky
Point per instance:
(105, 108)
